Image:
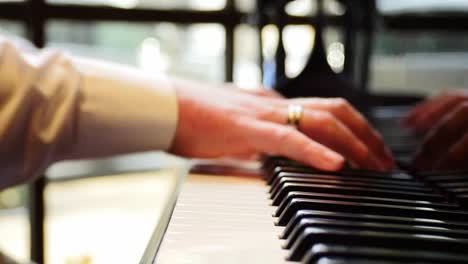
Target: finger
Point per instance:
(267, 137)
(417, 111)
(244, 156)
(326, 129)
(421, 109)
(436, 111)
(456, 157)
(351, 118)
(445, 134)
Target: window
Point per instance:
(160, 4)
(247, 71)
(13, 28)
(424, 6)
(193, 51)
(422, 60)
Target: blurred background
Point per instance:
(211, 40)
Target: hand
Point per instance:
(445, 119)
(217, 122)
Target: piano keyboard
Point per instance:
(363, 217)
(303, 215)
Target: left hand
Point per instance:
(445, 119)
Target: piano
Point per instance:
(280, 211)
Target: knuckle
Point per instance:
(378, 137)
(284, 135)
(341, 104)
(464, 106)
(324, 118)
(358, 153)
(328, 124)
(267, 112)
(343, 108)
(460, 111)
(363, 152)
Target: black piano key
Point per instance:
(355, 253)
(280, 161)
(332, 189)
(370, 226)
(458, 190)
(273, 165)
(404, 161)
(403, 149)
(430, 174)
(463, 200)
(357, 199)
(407, 146)
(395, 175)
(313, 236)
(345, 178)
(348, 183)
(282, 175)
(403, 138)
(369, 208)
(454, 192)
(400, 220)
(344, 183)
(459, 184)
(446, 179)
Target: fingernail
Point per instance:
(333, 161)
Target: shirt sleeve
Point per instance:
(55, 107)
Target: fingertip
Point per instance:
(338, 165)
(332, 161)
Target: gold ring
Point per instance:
(294, 114)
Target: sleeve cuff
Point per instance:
(123, 110)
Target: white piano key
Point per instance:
(215, 221)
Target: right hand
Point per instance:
(216, 122)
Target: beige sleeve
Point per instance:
(54, 107)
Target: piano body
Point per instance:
(279, 211)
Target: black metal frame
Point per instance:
(35, 14)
